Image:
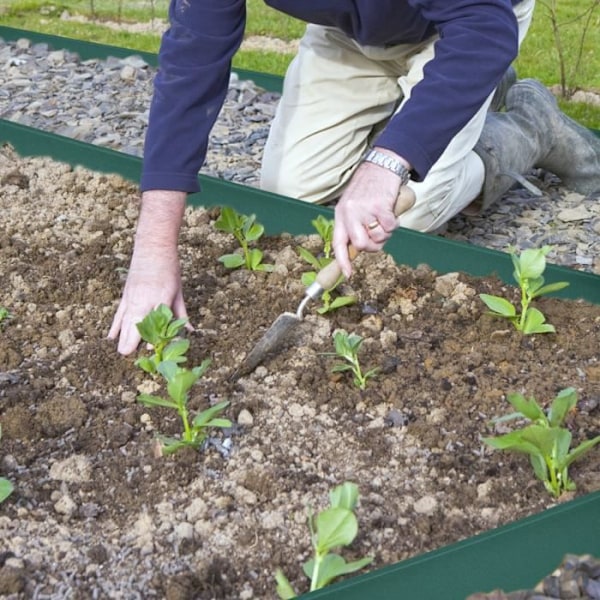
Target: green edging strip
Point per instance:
(512, 557)
(282, 214)
(92, 50)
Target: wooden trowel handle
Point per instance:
(328, 276)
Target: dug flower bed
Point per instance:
(96, 512)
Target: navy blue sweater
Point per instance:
(478, 41)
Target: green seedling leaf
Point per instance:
(206, 417)
(580, 450)
(174, 327)
(535, 322)
(334, 527)
(548, 441)
(6, 489)
(175, 351)
(5, 315)
(256, 264)
(344, 496)
(146, 364)
(312, 260)
(180, 384)
(284, 589)
(232, 261)
(333, 566)
(561, 405)
(324, 228)
(532, 262)
(512, 441)
(526, 407)
(254, 232)
(229, 220)
(499, 306)
(551, 288)
(150, 400)
(341, 301)
(171, 445)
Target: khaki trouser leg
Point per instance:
(333, 98)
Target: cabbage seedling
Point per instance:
(347, 347)
(331, 528)
(179, 382)
(545, 440)
(529, 267)
(6, 487)
(324, 228)
(160, 330)
(246, 230)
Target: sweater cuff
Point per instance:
(169, 181)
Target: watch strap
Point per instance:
(387, 162)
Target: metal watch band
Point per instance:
(389, 163)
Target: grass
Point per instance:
(539, 57)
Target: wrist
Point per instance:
(389, 160)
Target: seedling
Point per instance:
(4, 315)
(529, 267)
(6, 487)
(179, 382)
(160, 330)
(246, 231)
(545, 440)
(324, 228)
(347, 347)
(331, 528)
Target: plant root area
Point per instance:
(97, 513)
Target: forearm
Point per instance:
(161, 216)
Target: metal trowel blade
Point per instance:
(268, 343)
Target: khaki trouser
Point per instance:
(337, 96)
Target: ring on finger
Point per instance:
(373, 225)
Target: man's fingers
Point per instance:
(130, 338)
(343, 260)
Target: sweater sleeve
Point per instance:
(189, 89)
(478, 41)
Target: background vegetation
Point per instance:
(561, 48)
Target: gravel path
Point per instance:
(106, 103)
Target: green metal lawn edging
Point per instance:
(282, 214)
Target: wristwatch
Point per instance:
(389, 163)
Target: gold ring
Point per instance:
(373, 224)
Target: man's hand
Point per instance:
(364, 215)
(154, 275)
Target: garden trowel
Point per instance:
(326, 278)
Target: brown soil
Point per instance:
(96, 514)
